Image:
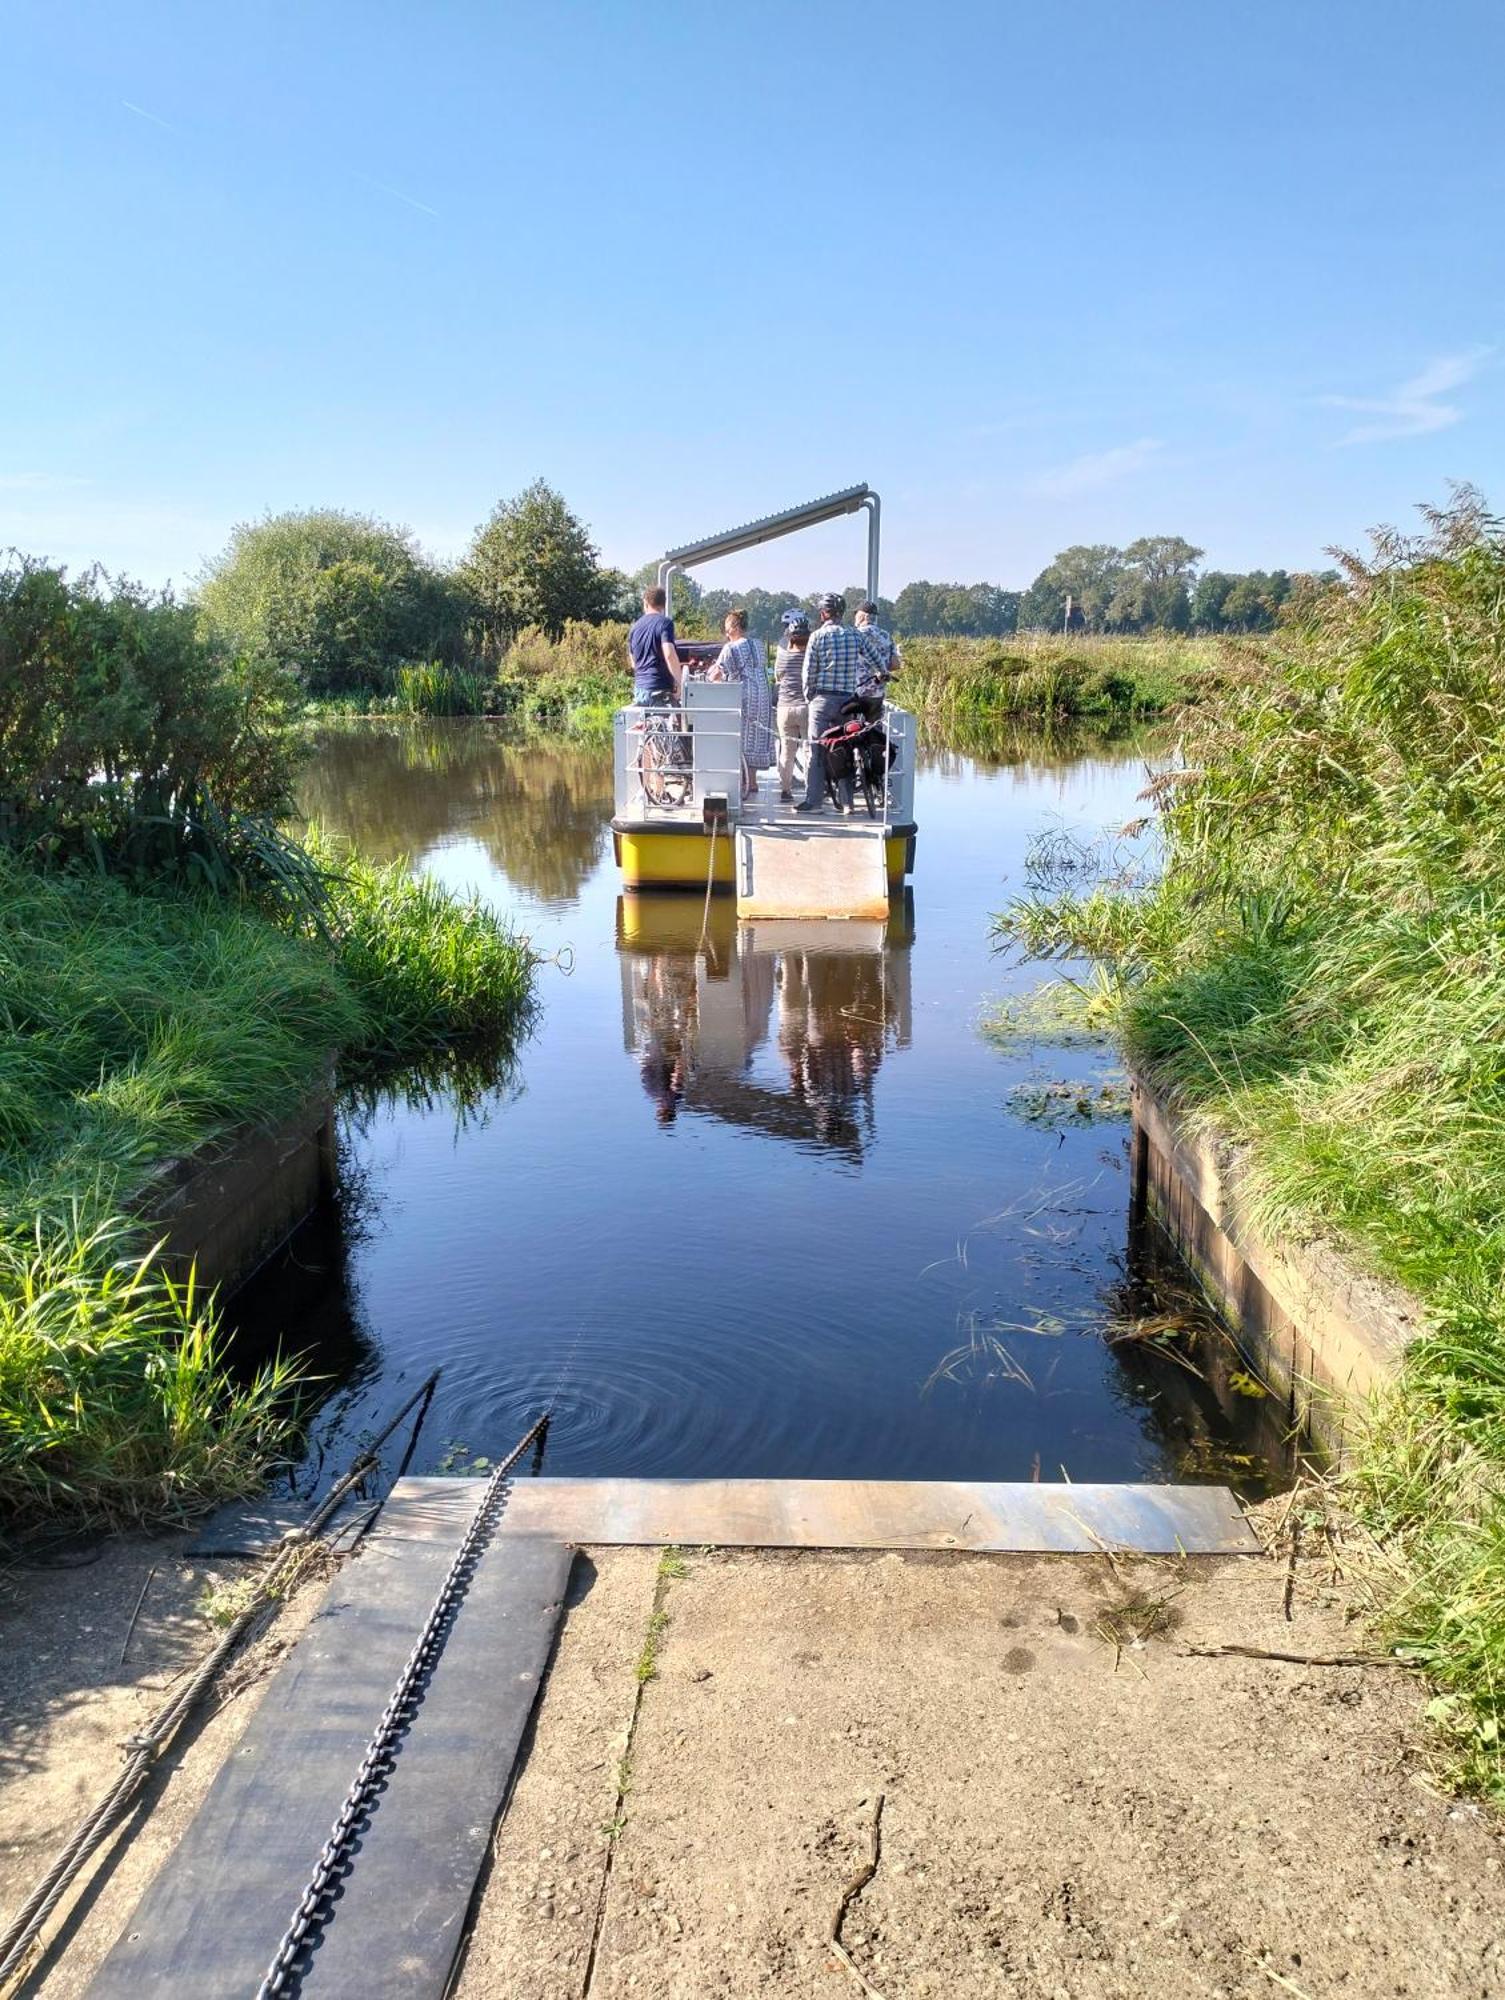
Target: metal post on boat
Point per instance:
(871, 504)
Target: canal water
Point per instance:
(753, 1201)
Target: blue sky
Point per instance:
(1042, 274)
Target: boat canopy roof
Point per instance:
(830, 508)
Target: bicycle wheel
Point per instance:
(665, 782)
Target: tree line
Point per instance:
(343, 600)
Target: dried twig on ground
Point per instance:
(854, 1888)
(125, 1644)
(1290, 1590)
(1297, 1659)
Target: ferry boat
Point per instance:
(680, 818)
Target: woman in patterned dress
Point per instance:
(741, 659)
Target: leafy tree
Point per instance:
(686, 599)
(1209, 598)
(1089, 573)
(956, 610)
(1163, 558)
(533, 563)
(341, 600)
(1229, 602)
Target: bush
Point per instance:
(127, 741)
(544, 679)
(339, 601)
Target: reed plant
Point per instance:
(435, 687)
(953, 681)
(1319, 974)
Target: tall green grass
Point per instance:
(135, 1026)
(435, 687)
(115, 1407)
(1320, 974)
(427, 971)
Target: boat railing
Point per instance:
(670, 759)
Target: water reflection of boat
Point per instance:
(777, 1027)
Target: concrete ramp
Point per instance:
(824, 869)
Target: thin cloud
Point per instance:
(38, 482)
(1099, 468)
(398, 195)
(150, 116)
(1415, 408)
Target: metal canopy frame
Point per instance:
(851, 500)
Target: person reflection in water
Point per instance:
(664, 1081)
(832, 1032)
(697, 1017)
(665, 1009)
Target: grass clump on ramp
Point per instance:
(1319, 972)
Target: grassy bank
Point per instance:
(134, 1026)
(952, 681)
(1320, 973)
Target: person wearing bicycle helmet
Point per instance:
(789, 685)
(834, 663)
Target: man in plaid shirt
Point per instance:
(836, 659)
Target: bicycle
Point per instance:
(664, 767)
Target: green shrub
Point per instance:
(127, 742)
(545, 680)
(336, 600)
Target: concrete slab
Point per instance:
(1072, 1804)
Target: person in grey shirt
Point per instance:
(879, 645)
(789, 685)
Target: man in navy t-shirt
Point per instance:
(656, 670)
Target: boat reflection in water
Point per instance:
(776, 1026)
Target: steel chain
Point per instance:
(312, 1909)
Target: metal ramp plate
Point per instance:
(877, 1514)
(208, 1924)
(821, 869)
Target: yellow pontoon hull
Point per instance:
(680, 857)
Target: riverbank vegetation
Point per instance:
(1319, 974)
(361, 619)
(950, 681)
(172, 965)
